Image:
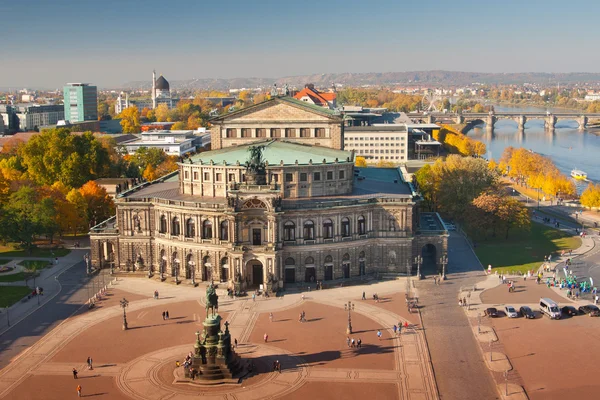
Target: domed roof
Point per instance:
(162, 84)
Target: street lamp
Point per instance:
(444, 262)
(193, 265)
(349, 307)
(176, 262)
(124, 303)
(419, 262)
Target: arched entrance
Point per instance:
(206, 269)
(328, 266)
(362, 264)
(428, 252)
(254, 273)
(346, 265)
(310, 274)
(290, 270)
(189, 267)
(224, 269)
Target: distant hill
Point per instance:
(425, 78)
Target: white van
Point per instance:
(550, 308)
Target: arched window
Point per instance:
(392, 224)
(190, 228)
(346, 258)
(361, 254)
(345, 227)
(329, 260)
(289, 261)
(224, 269)
(163, 224)
(309, 261)
(207, 229)
(289, 231)
(175, 228)
(392, 257)
(224, 230)
(362, 226)
(327, 229)
(309, 230)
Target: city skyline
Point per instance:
(51, 44)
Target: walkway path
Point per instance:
(412, 375)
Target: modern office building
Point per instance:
(276, 202)
(30, 117)
(80, 102)
(173, 143)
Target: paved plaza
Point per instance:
(316, 361)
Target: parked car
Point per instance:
(527, 312)
(491, 312)
(590, 310)
(569, 310)
(511, 312)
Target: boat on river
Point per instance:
(579, 175)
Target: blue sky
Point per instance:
(46, 43)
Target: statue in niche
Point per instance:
(274, 90)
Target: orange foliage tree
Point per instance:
(99, 204)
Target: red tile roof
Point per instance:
(317, 97)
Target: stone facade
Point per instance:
(205, 223)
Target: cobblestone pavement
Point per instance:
(143, 373)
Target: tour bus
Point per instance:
(550, 308)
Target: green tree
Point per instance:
(145, 156)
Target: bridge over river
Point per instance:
(521, 118)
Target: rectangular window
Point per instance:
(290, 132)
(231, 177)
(289, 177)
(275, 132)
(231, 133)
(261, 132)
(329, 175)
(320, 132)
(303, 177)
(246, 132)
(341, 174)
(186, 175)
(275, 178)
(219, 177)
(207, 176)
(317, 176)
(304, 132)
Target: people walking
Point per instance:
(271, 317)
(379, 334)
(74, 373)
(266, 337)
(89, 363)
(164, 314)
(358, 343)
(78, 390)
(399, 328)
(395, 329)
(363, 296)
(167, 314)
(235, 343)
(300, 317)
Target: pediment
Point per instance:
(279, 111)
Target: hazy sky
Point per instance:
(46, 43)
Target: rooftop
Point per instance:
(275, 152)
(377, 128)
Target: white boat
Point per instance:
(579, 175)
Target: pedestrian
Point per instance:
(300, 317)
(235, 343)
(405, 325)
(460, 302)
(167, 314)
(303, 316)
(266, 337)
(399, 329)
(78, 390)
(74, 373)
(353, 343)
(596, 299)
(278, 366)
(302, 296)
(359, 343)
(464, 301)
(363, 296)
(89, 362)
(253, 296)
(164, 315)
(379, 334)
(395, 328)
(271, 317)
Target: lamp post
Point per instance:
(349, 307)
(176, 262)
(538, 190)
(193, 266)
(124, 303)
(419, 261)
(444, 262)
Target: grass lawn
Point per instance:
(524, 251)
(4, 261)
(19, 276)
(35, 264)
(11, 294)
(13, 251)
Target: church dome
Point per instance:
(162, 84)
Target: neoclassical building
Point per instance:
(277, 201)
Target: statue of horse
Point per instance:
(212, 300)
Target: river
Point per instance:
(567, 146)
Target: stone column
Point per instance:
(583, 120)
(521, 119)
(550, 122)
